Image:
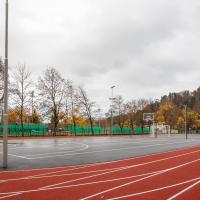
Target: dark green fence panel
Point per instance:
(84, 130)
(139, 130)
(29, 130)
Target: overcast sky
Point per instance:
(146, 48)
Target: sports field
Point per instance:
(122, 167)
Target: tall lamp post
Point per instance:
(185, 109)
(112, 98)
(5, 112)
(32, 96)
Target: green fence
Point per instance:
(40, 130)
(83, 130)
(29, 130)
(139, 130)
(121, 131)
(86, 130)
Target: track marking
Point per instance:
(154, 190)
(78, 185)
(184, 190)
(40, 176)
(123, 168)
(129, 183)
(8, 194)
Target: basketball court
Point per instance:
(56, 152)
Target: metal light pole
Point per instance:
(112, 98)
(32, 96)
(186, 136)
(5, 113)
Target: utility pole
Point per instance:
(186, 136)
(32, 96)
(112, 98)
(5, 113)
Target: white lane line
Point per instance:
(10, 195)
(49, 173)
(79, 184)
(123, 168)
(135, 181)
(184, 190)
(89, 183)
(71, 167)
(56, 175)
(107, 150)
(154, 190)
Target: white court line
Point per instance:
(154, 190)
(184, 190)
(61, 187)
(60, 152)
(107, 150)
(46, 146)
(18, 156)
(123, 168)
(84, 148)
(71, 167)
(129, 183)
(126, 142)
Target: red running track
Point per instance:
(169, 175)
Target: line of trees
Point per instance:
(53, 100)
(58, 102)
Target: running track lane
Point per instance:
(159, 176)
(94, 175)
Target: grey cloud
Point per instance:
(148, 47)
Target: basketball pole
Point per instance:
(5, 112)
(112, 98)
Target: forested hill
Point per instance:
(191, 99)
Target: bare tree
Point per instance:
(142, 103)
(51, 90)
(21, 90)
(73, 104)
(132, 108)
(120, 111)
(87, 106)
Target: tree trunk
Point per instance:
(21, 120)
(91, 125)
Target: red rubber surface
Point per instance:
(169, 175)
